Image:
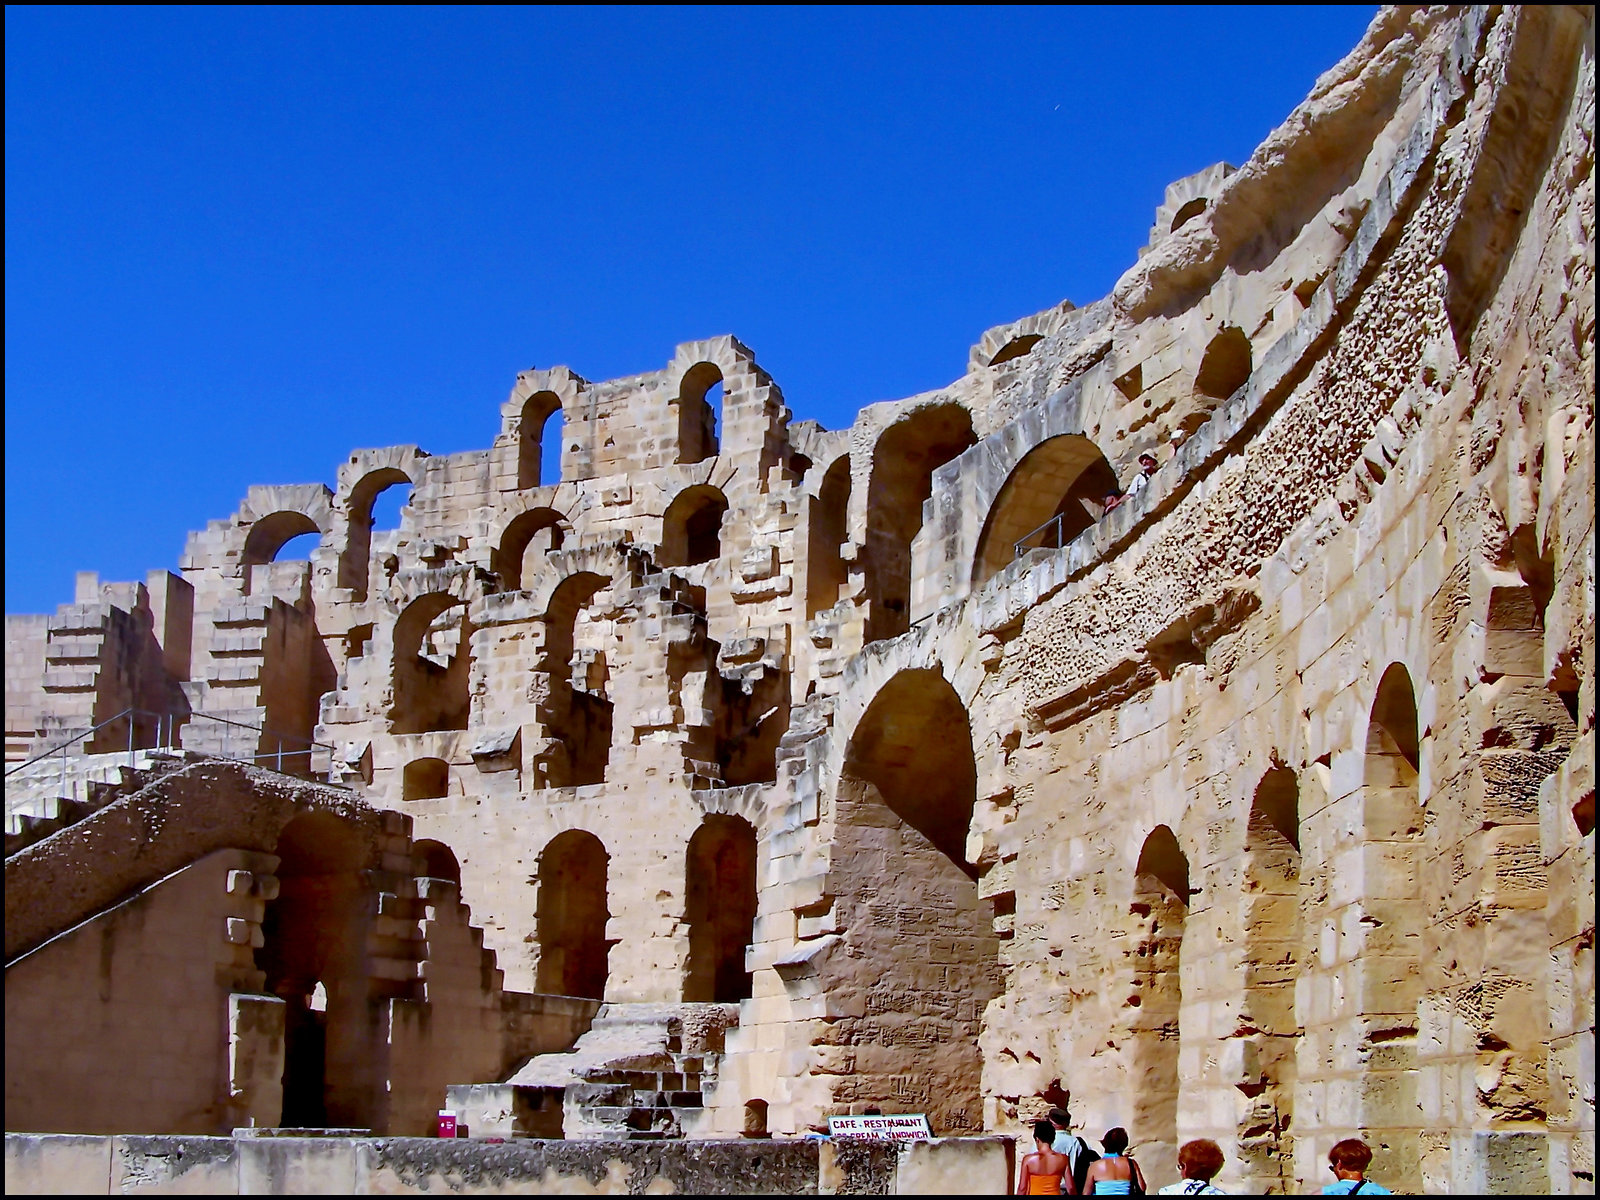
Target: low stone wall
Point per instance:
(59, 1164)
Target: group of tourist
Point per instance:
(1064, 1164)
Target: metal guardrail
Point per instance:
(168, 727)
(1026, 543)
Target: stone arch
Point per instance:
(425, 779)
(576, 710)
(1274, 958)
(571, 915)
(720, 909)
(697, 418)
(1053, 494)
(366, 475)
(313, 955)
(828, 530)
(1158, 913)
(691, 528)
(1393, 914)
(431, 666)
(269, 534)
(527, 538)
(1017, 347)
(1226, 364)
(533, 435)
(435, 860)
(923, 959)
(903, 463)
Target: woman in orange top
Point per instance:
(1042, 1170)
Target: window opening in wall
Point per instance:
(576, 709)
(523, 546)
(386, 506)
(425, 779)
(720, 882)
(435, 860)
(691, 529)
(270, 535)
(365, 514)
(432, 653)
(1226, 364)
(1188, 213)
(903, 463)
(826, 575)
(298, 548)
(755, 1118)
(1016, 348)
(540, 430)
(1160, 908)
(571, 916)
(904, 888)
(699, 401)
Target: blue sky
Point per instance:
(242, 242)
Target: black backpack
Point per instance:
(1081, 1162)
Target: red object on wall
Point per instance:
(447, 1123)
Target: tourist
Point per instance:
(1198, 1163)
(1042, 1170)
(1115, 1174)
(1110, 501)
(1349, 1160)
(1147, 468)
(1079, 1153)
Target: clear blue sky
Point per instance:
(242, 242)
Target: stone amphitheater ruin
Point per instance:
(788, 771)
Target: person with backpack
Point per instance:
(1079, 1155)
(1349, 1160)
(1198, 1163)
(1115, 1174)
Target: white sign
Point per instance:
(912, 1128)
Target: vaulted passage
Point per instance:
(1274, 960)
(1394, 916)
(572, 916)
(904, 461)
(313, 954)
(1159, 911)
(1055, 493)
(923, 962)
(720, 879)
(691, 529)
(527, 539)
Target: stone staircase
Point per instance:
(46, 796)
(641, 1072)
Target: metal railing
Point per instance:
(169, 727)
(1026, 542)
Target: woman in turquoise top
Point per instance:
(1115, 1174)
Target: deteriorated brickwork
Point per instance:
(952, 760)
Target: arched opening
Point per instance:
(923, 942)
(1188, 213)
(1159, 909)
(755, 1118)
(699, 399)
(1016, 348)
(432, 640)
(425, 779)
(1225, 365)
(576, 710)
(527, 539)
(313, 955)
(1273, 963)
(720, 909)
(299, 548)
(903, 463)
(571, 916)
(1051, 496)
(435, 860)
(1394, 916)
(270, 535)
(539, 440)
(830, 516)
(691, 529)
(374, 503)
